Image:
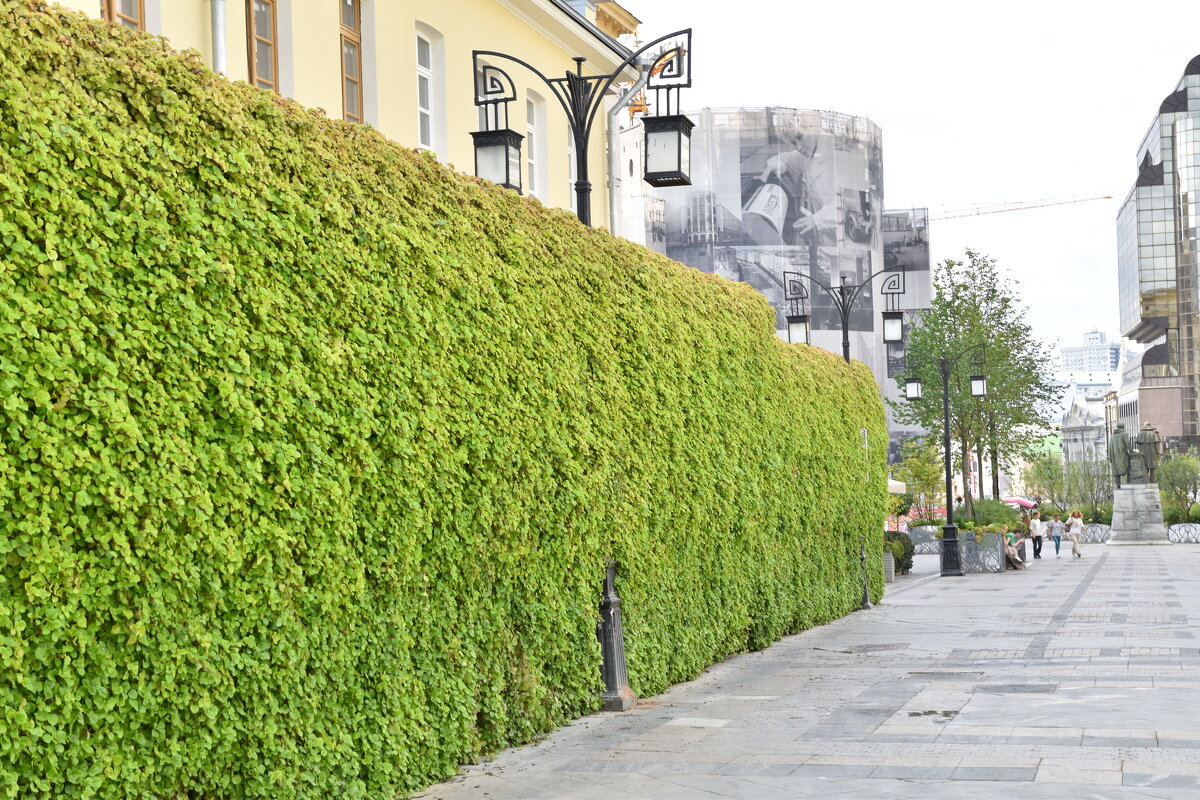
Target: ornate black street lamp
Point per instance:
(844, 295)
(668, 136)
(951, 558)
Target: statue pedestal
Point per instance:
(1137, 516)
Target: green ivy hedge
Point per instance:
(314, 451)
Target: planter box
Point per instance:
(985, 556)
(924, 539)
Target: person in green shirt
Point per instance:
(1011, 540)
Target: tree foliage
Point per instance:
(921, 469)
(1046, 478)
(1089, 484)
(1178, 477)
(975, 308)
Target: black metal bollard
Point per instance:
(951, 557)
(617, 694)
(866, 598)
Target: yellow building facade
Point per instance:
(405, 67)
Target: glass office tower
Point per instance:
(1157, 268)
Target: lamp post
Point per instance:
(668, 136)
(951, 559)
(844, 296)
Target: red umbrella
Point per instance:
(1018, 501)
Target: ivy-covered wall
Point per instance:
(314, 451)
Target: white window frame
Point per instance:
(572, 171)
(436, 74)
(535, 147)
(425, 113)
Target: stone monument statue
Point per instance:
(1150, 448)
(1119, 449)
(1137, 509)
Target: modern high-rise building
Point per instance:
(1096, 354)
(1158, 239)
(791, 202)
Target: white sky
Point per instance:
(1009, 101)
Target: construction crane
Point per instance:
(999, 208)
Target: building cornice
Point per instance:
(559, 24)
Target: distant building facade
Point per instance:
(788, 200)
(1096, 354)
(1158, 240)
(1088, 369)
(1084, 430)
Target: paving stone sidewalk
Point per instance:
(1077, 678)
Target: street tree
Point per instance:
(1046, 478)
(920, 467)
(975, 306)
(1089, 484)
(1178, 479)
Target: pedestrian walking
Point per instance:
(1036, 529)
(1074, 529)
(1054, 529)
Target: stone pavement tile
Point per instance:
(1182, 744)
(848, 759)
(645, 787)
(1121, 733)
(1180, 734)
(919, 725)
(1051, 773)
(996, 731)
(1008, 760)
(922, 760)
(775, 770)
(1101, 741)
(546, 786)
(1055, 732)
(733, 788)
(698, 722)
(913, 773)
(666, 737)
(1044, 741)
(1162, 767)
(728, 708)
(1082, 763)
(1190, 782)
(913, 738)
(993, 774)
(834, 771)
(692, 756)
(795, 759)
